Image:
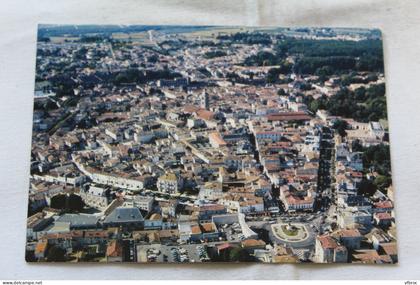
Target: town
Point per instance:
(210, 144)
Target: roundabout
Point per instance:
(290, 232)
(296, 235)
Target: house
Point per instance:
(207, 211)
(209, 231)
(185, 230)
(383, 219)
(211, 191)
(284, 254)
(153, 222)
(378, 237)
(204, 231)
(328, 250)
(370, 256)
(168, 236)
(221, 248)
(149, 237)
(63, 240)
(383, 206)
(94, 237)
(216, 140)
(252, 244)
(41, 249)
(95, 196)
(114, 251)
(296, 200)
(351, 239)
(350, 217)
(390, 249)
(168, 208)
(262, 187)
(37, 224)
(169, 183)
(251, 205)
(144, 203)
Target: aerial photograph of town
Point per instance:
(191, 144)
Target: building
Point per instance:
(204, 231)
(144, 203)
(126, 217)
(80, 221)
(153, 222)
(95, 196)
(216, 140)
(37, 225)
(351, 239)
(268, 135)
(206, 212)
(173, 83)
(211, 191)
(350, 217)
(253, 244)
(169, 183)
(383, 220)
(328, 250)
(114, 251)
(205, 100)
(296, 200)
(41, 248)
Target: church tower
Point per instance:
(205, 100)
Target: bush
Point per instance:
(56, 254)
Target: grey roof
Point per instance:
(79, 220)
(124, 215)
(357, 200)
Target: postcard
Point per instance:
(191, 144)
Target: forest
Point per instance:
(319, 57)
(363, 104)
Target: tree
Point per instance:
(366, 188)
(356, 146)
(214, 54)
(262, 58)
(273, 75)
(58, 201)
(363, 105)
(239, 254)
(56, 254)
(281, 92)
(341, 126)
(382, 182)
(325, 55)
(378, 158)
(74, 203)
(71, 203)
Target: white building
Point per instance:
(95, 197)
(169, 183)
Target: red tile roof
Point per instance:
(114, 249)
(252, 243)
(289, 116)
(327, 242)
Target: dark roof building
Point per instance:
(129, 217)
